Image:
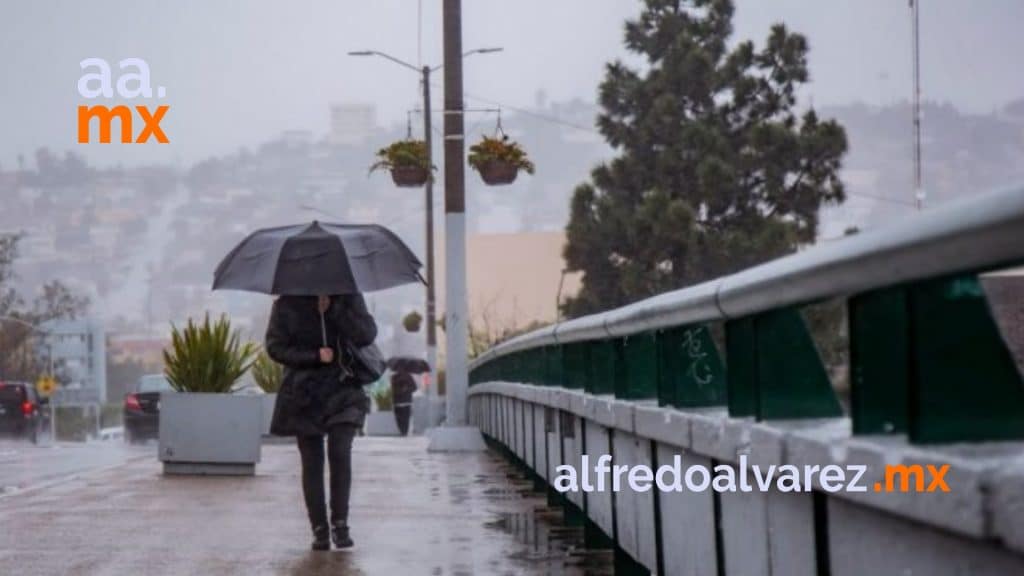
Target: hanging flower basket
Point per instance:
(407, 161)
(412, 321)
(499, 160)
(409, 176)
(498, 172)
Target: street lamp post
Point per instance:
(431, 309)
(915, 31)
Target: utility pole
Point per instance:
(455, 216)
(431, 309)
(455, 435)
(919, 194)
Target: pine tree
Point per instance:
(716, 169)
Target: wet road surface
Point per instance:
(24, 465)
(412, 513)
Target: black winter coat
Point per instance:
(403, 385)
(312, 397)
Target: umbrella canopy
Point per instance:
(318, 258)
(407, 364)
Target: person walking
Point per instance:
(403, 385)
(309, 336)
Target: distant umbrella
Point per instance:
(407, 364)
(318, 258)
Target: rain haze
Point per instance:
(246, 82)
(240, 73)
(693, 252)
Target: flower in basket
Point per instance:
(499, 160)
(407, 160)
(412, 321)
(403, 153)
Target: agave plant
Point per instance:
(207, 357)
(267, 373)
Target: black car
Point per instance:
(20, 414)
(142, 408)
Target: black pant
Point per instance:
(402, 414)
(339, 458)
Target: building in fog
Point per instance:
(513, 280)
(78, 350)
(352, 123)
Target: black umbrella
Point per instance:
(318, 258)
(408, 364)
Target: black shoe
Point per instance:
(320, 539)
(340, 536)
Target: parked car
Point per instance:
(20, 413)
(142, 408)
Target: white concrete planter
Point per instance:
(421, 411)
(381, 423)
(268, 411)
(210, 433)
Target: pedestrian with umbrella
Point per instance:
(403, 385)
(322, 333)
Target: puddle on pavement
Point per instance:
(548, 544)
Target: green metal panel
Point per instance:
(538, 365)
(620, 380)
(879, 357)
(668, 373)
(741, 367)
(690, 371)
(964, 383)
(584, 373)
(546, 354)
(553, 365)
(574, 366)
(591, 378)
(516, 359)
(791, 381)
(534, 365)
(602, 366)
(641, 378)
(509, 368)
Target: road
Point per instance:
(130, 297)
(25, 466)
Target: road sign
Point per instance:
(46, 385)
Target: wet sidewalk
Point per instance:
(413, 512)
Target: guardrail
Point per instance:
(926, 356)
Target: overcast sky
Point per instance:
(238, 73)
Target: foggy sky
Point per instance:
(238, 73)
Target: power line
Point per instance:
(559, 121)
(882, 199)
(540, 116)
(545, 117)
(419, 33)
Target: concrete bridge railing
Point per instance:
(931, 382)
